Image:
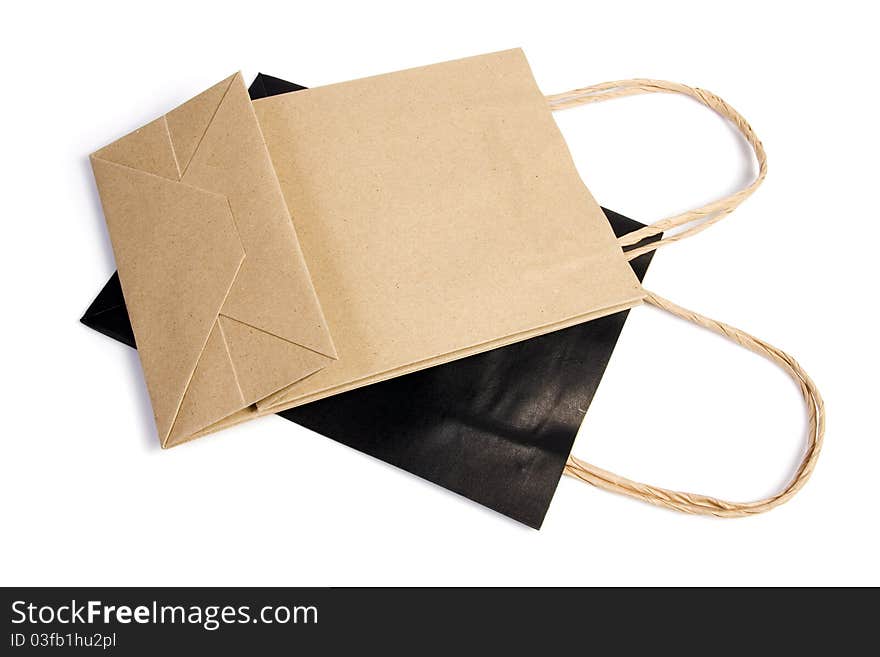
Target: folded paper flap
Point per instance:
(178, 252)
(146, 149)
(188, 124)
(273, 290)
(265, 362)
(165, 146)
(213, 391)
(202, 238)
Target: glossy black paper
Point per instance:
(496, 427)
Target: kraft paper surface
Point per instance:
(440, 215)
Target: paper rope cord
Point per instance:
(695, 221)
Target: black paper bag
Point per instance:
(496, 427)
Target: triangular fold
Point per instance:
(273, 290)
(114, 324)
(188, 123)
(178, 252)
(265, 363)
(257, 88)
(107, 314)
(146, 149)
(212, 393)
(109, 298)
(272, 86)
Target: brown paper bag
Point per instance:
(440, 214)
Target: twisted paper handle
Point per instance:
(700, 218)
(694, 222)
(701, 504)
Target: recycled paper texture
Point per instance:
(219, 295)
(441, 215)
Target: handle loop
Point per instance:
(693, 222)
(702, 504)
(700, 218)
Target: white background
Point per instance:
(86, 495)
